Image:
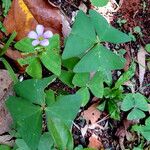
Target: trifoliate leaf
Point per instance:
(105, 31)
(33, 89)
(134, 100)
(60, 133)
(65, 108)
(28, 118)
(81, 38)
(135, 114)
(98, 59)
(51, 58)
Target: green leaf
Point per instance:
(22, 145)
(128, 102)
(34, 68)
(140, 102)
(96, 85)
(135, 114)
(66, 77)
(147, 47)
(33, 89)
(6, 5)
(99, 3)
(4, 147)
(60, 133)
(2, 28)
(25, 45)
(46, 142)
(99, 58)
(143, 129)
(134, 101)
(81, 38)
(81, 79)
(6, 46)
(51, 58)
(101, 107)
(85, 94)
(105, 31)
(113, 110)
(50, 97)
(28, 117)
(65, 108)
(10, 70)
(70, 63)
(126, 76)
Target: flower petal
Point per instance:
(48, 34)
(35, 42)
(32, 35)
(39, 29)
(45, 42)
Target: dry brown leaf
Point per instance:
(142, 65)
(95, 143)
(92, 114)
(7, 140)
(5, 91)
(24, 15)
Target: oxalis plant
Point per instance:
(43, 118)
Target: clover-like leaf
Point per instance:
(34, 69)
(33, 89)
(143, 129)
(25, 45)
(137, 103)
(28, 118)
(105, 31)
(98, 59)
(81, 38)
(51, 58)
(60, 133)
(65, 108)
(66, 77)
(95, 84)
(135, 114)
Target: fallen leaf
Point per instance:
(7, 140)
(142, 65)
(5, 91)
(95, 143)
(24, 15)
(92, 114)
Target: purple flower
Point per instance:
(40, 37)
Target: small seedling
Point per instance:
(144, 130)
(137, 104)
